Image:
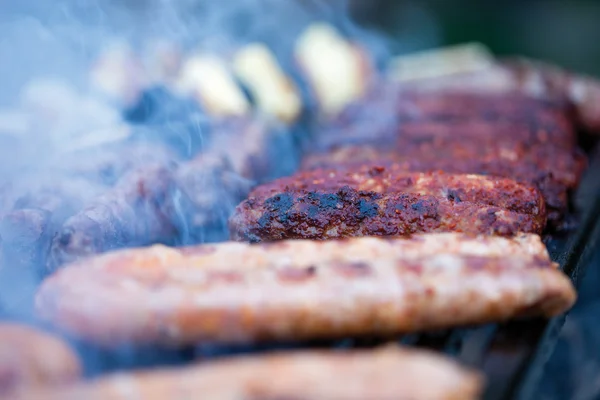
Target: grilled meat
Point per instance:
(467, 134)
(544, 81)
(330, 203)
(137, 211)
(464, 159)
(210, 188)
(364, 375)
(34, 214)
(255, 149)
(296, 290)
(30, 358)
(386, 110)
(491, 107)
(110, 162)
(524, 77)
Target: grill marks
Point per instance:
(305, 290)
(361, 201)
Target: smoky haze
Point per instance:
(55, 129)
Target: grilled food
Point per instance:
(388, 373)
(275, 94)
(464, 159)
(338, 71)
(525, 77)
(296, 290)
(136, 211)
(508, 136)
(30, 358)
(330, 203)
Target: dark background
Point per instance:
(566, 32)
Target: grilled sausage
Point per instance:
(296, 290)
(330, 203)
(136, 211)
(506, 135)
(30, 358)
(387, 373)
(524, 77)
(424, 158)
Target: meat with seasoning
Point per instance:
(302, 289)
(386, 373)
(136, 211)
(460, 133)
(528, 78)
(554, 188)
(330, 203)
(30, 358)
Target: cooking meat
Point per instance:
(531, 167)
(337, 71)
(475, 141)
(502, 130)
(255, 150)
(387, 373)
(137, 211)
(209, 188)
(34, 213)
(110, 162)
(30, 358)
(330, 203)
(492, 107)
(385, 111)
(297, 290)
(466, 134)
(524, 77)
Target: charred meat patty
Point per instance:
(358, 201)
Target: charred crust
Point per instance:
(454, 196)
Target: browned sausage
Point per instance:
(388, 373)
(30, 358)
(355, 201)
(296, 290)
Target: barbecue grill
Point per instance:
(512, 355)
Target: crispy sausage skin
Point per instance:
(499, 134)
(329, 203)
(297, 290)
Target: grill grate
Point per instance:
(512, 355)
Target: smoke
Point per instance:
(65, 146)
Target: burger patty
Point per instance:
(528, 151)
(414, 159)
(386, 373)
(548, 85)
(30, 358)
(455, 119)
(302, 290)
(330, 203)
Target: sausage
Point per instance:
(386, 373)
(30, 358)
(300, 290)
(329, 203)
